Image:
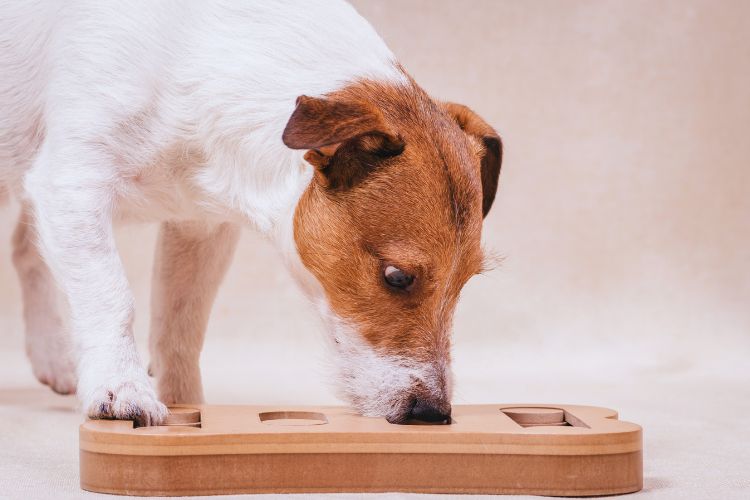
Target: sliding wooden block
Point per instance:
(188, 417)
(528, 417)
(559, 450)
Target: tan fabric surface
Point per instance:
(695, 424)
(623, 220)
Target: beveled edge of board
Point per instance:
(477, 429)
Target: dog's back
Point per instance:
(76, 67)
(24, 34)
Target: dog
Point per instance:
(291, 118)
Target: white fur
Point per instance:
(47, 340)
(377, 383)
(164, 111)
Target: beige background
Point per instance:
(622, 219)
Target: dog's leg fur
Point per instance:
(48, 342)
(72, 185)
(191, 260)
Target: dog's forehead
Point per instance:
(428, 197)
(460, 163)
(434, 185)
(425, 216)
(439, 166)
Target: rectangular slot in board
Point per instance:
(543, 417)
(292, 418)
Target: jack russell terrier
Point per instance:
(289, 117)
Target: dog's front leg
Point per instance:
(47, 339)
(191, 260)
(72, 189)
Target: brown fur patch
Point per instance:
(418, 206)
(492, 155)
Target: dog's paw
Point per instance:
(126, 400)
(55, 369)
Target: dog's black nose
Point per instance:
(425, 411)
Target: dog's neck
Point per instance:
(246, 171)
(242, 117)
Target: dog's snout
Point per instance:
(427, 411)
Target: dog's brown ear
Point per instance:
(492, 157)
(345, 139)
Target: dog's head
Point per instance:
(390, 227)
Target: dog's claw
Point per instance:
(129, 401)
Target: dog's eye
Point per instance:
(397, 278)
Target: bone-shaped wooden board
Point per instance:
(560, 450)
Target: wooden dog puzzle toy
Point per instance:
(559, 450)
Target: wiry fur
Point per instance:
(378, 383)
(172, 112)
